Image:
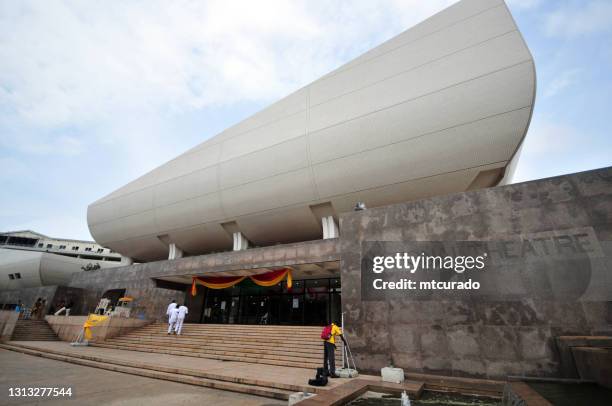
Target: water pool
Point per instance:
(427, 399)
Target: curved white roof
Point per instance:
(441, 108)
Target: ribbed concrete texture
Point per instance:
(33, 330)
(293, 346)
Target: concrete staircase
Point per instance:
(268, 389)
(33, 330)
(294, 346)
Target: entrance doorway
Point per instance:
(308, 302)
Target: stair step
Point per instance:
(234, 327)
(298, 364)
(185, 371)
(33, 330)
(271, 345)
(283, 355)
(224, 337)
(33, 335)
(311, 344)
(247, 329)
(236, 353)
(236, 333)
(173, 340)
(156, 373)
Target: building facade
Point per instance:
(508, 327)
(441, 108)
(425, 130)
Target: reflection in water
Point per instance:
(427, 399)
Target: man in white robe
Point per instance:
(173, 320)
(181, 312)
(171, 307)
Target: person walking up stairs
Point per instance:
(182, 311)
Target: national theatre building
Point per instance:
(442, 108)
(257, 225)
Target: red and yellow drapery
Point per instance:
(222, 282)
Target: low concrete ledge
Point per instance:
(594, 364)
(8, 320)
(565, 344)
(354, 388)
(466, 386)
(521, 394)
(68, 328)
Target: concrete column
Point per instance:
(330, 228)
(175, 252)
(240, 241)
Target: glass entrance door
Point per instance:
(316, 302)
(307, 302)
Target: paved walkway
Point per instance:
(243, 370)
(92, 386)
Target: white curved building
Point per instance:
(27, 269)
(441, 108)
(30, 259)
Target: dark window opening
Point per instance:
(22, 241)
(114, 295)
(308, 302)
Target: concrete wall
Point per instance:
(476, 336)
(68, 328)
(28, 296)
(150, 301)
(8, 320)
(53, 294)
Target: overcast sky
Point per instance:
(95, 94)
